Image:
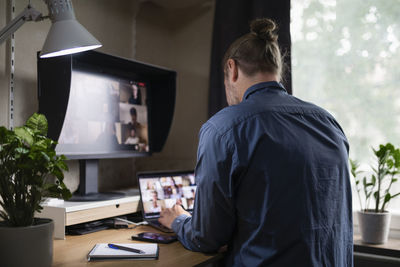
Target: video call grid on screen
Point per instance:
(165, 191)
(105, 112)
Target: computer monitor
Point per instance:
(102, 106)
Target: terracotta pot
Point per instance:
(374, 226)
(28, 245)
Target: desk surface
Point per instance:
(73, 250)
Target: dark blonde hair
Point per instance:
(257, 51)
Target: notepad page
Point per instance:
(102, 250)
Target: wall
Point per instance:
(169, 36)
(179, 38)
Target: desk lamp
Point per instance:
(66, 35)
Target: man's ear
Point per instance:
(233, 69)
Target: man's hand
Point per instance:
(167, 216)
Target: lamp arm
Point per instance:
(29, 14)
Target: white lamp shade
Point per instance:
(67, 37)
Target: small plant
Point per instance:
(385, 174)
(29, 171)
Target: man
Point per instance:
(135, 97)
(132, 139)
(272, 171)
(134, 122)
(140, 129)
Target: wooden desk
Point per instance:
(72, 251)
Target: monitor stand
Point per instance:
(88, 183)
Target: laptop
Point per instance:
(163, 190)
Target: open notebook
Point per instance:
(103, 252)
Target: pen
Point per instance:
(126, 248)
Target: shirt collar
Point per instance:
(263, 85)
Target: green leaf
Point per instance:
(390, 163)
(42, 144)
(21, 150)
(58, 173)
(387, 197)
(62, 165)
(396, 157)
(390, 147)
(4, 132)
(66, 194)
(354, 167)
(38, 122)
(45, 156)
(24, 134)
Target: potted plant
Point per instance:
(374, 219)
(29, 171)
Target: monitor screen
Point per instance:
(163, 190)
(105, 114)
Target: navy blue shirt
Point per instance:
(273, 184)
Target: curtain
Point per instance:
(231, 20)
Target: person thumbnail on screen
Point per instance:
(154, 204)
(133, 92)
(135, 97)
(132, 138)
(134, 128)
(155, 207)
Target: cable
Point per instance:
(133, 223)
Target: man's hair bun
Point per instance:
(265, 29)
(257, 51)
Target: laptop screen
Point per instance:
(165, 189)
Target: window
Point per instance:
(346, 59)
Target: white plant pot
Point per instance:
(374, 226)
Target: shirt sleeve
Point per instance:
(213, 220)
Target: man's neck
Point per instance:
(260, 77)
